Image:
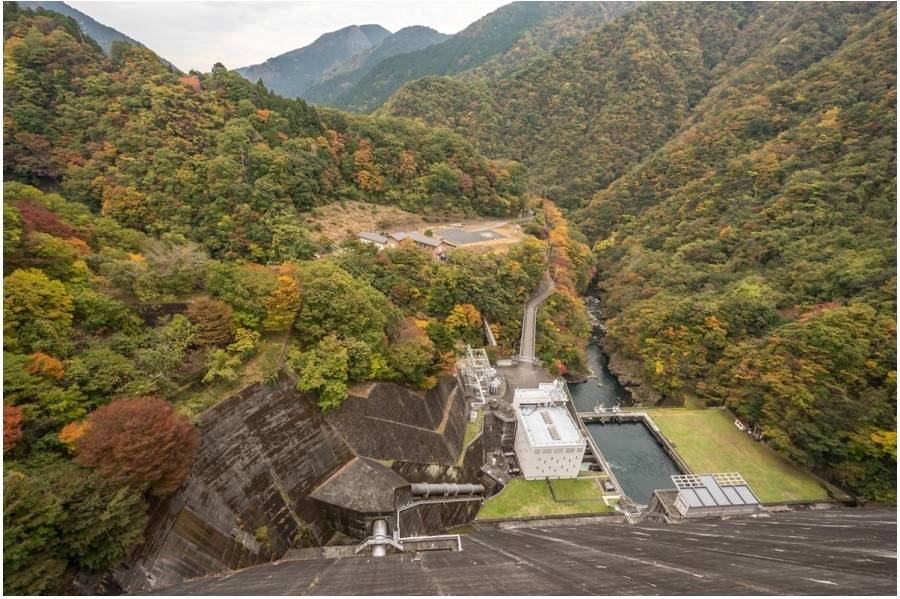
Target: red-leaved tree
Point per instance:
(139, 442)
(37, 217)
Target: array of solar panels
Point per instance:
(714, 490)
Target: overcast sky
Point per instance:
(195, 35)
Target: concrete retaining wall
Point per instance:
(262, 452)
(388, 422)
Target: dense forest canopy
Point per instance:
(751, 261)
(725, 172)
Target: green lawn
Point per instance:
(523, 498)
(709, 442)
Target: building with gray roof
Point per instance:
(706, 495)
(380, 241)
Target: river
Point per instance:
(602, 387)
(638, 462)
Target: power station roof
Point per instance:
(544, 393)
(549, 424)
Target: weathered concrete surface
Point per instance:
(388, 422)
(262, 453)
(837, 552)
(430, 517)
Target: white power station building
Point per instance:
(548, 443)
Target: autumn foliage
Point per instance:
(47, 366)
(214, 321)
(139, 442)
(72, 432)
(12, 426)
(36, 217)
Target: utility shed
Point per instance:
(379, 241)
(723, 494)
(357, 494)
(548, 443)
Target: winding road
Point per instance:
(529, 322)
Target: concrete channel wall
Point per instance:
(616, 417)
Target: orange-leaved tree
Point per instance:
(139, 442)
(12, 426)
(214, 320)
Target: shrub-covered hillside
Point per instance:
(230, 166)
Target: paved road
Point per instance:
(833, 552)
(529, 322)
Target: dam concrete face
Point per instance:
(263, 452)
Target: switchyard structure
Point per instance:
(477, 375)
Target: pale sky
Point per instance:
(195, 35)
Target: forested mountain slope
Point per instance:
(582, 117)
(230, 166)
(518, 28)
(289, 74)
(343, 76)
(744, 156)
(751, 261)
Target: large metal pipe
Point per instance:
(379, 541)
(445, 489)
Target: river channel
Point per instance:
(637, 460)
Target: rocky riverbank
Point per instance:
(630, 375)
(628, 372)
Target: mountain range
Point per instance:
(509, 36)
(291, 73)
(343, 76)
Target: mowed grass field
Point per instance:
(522, 498)
(709, 442)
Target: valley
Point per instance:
(577, 274)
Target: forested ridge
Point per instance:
(499, 42)
(727, 171)
(229, 166)
(751, 261)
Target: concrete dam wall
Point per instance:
(262, 453)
